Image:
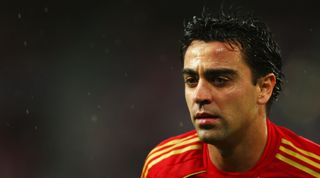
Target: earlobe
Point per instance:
(266, 85)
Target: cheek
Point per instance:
(240, 101)
(188, 97)
(235, 98)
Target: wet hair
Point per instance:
(260, 51)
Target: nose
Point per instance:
(202, 93)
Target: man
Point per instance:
(232, 74)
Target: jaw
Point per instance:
(211, 136)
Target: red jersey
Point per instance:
(286, 155)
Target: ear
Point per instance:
(266, 85)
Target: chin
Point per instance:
(210, 136)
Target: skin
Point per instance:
(227, 109)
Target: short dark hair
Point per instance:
(260, 51)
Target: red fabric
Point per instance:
(282, 143)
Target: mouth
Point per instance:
(206, 120)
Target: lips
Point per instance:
(201, 115)
(206, 120)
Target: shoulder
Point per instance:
(300, 154)
(296, 141)
(171, 152)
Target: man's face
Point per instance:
(219, 92)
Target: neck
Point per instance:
(244, 151)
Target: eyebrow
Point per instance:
(211, 72)
(218, 72)
(188, 71)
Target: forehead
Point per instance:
(212, 53)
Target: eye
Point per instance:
(191, 81)
(220, 81)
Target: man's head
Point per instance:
(258, 48)
(232, 71)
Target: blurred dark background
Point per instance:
(89, 87)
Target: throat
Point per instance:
(228, 161)
(240, 157)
